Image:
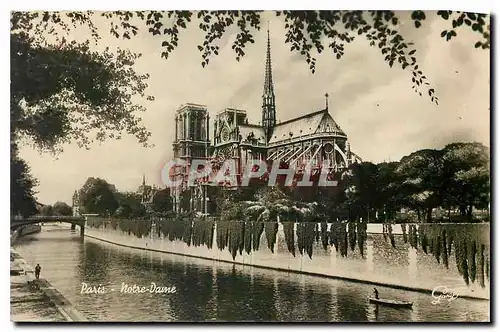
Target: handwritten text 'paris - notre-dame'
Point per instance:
(152, 288)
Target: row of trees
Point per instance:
(100, 197)
(427, 185)
(58, 209)
(444, 185)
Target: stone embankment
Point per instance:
(34, 300)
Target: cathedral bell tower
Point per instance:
(268, 98)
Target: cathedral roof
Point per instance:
(302, 126)
(248, 130)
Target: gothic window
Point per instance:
(225, 134)
(328, 148)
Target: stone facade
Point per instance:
(312, 139)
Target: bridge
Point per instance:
(80, 221)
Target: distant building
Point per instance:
(147, 192)
(313, 138)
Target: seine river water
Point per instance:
(213, 291)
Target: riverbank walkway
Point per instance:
(34, 301)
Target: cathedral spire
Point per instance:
(268, 98)
(268, 83)
(143, 180)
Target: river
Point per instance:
(214, 291)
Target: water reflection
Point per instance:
(209, 290)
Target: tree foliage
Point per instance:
(62, 209)
(272, 203)
(361, 189)
(425, 183)
(46, 210)
(63, 91)
(423, 179)
(456, 177)
(309, 33)
(129, 206)
(98, 196)
(162, 202)
(471, 248)
(467, 171)
(22, 187)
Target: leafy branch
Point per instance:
(307, 32)
(67, 92)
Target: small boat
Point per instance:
(392, 303)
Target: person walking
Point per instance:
(38, 268)
(375, 293)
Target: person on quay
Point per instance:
(38, 268)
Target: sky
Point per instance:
(373, 103)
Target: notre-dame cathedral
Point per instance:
(313, 138)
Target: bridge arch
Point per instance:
(80, 221)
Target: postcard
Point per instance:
(250, 166)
